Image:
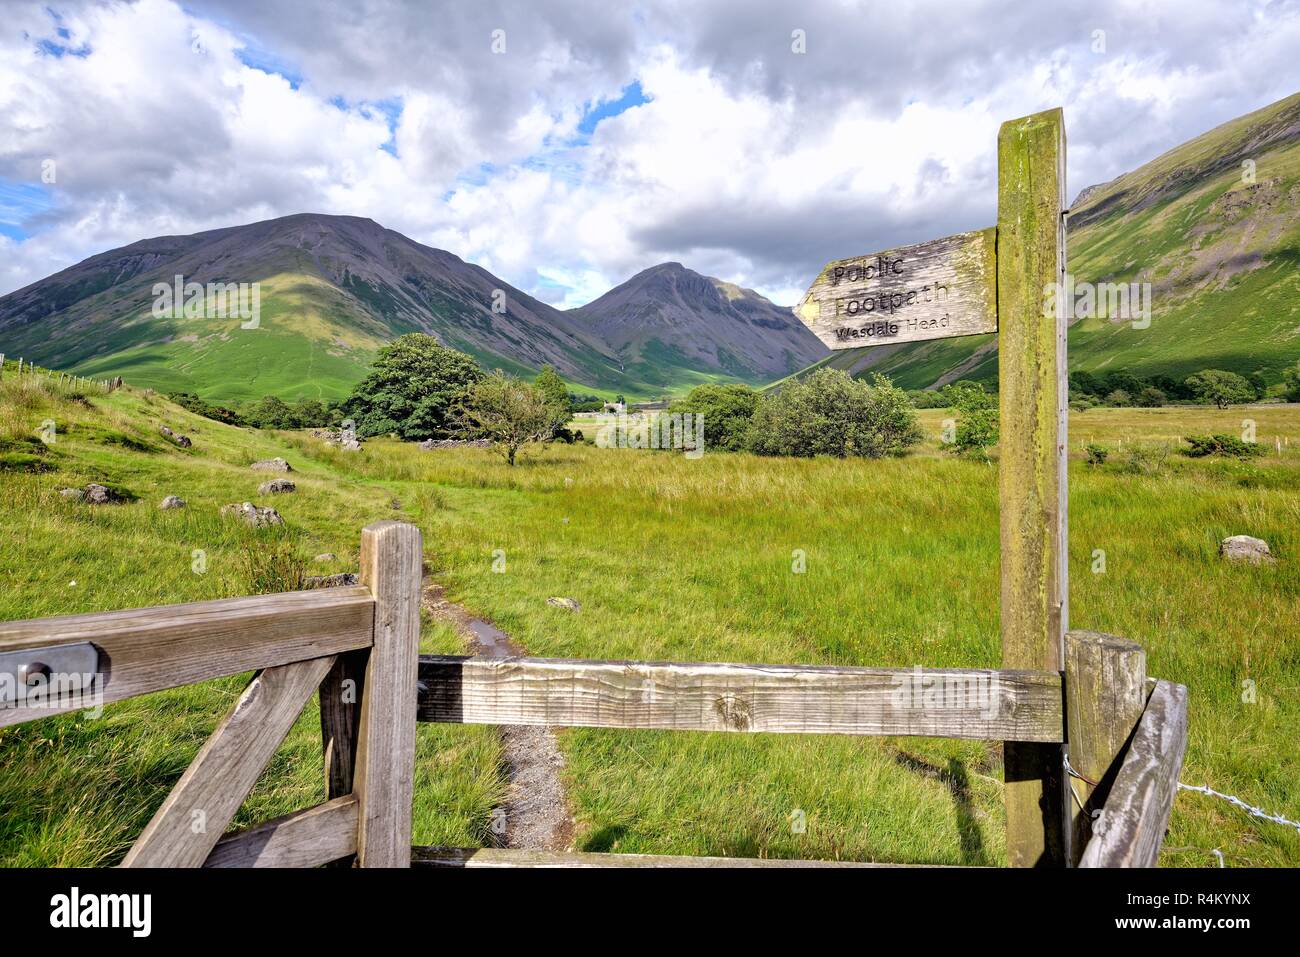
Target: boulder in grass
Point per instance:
(276, 464)
(326, 557)
(276, 487)
(568, 604)
(1243, 548)
(75, 494)
(172, 501)
(100, 495)
(257, 516)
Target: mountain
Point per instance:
(1218, 245)
(669, 324)
(333, 289)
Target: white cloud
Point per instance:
(749, 162)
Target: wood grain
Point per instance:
(148, 649)
(340, 721)
(391, 567)
(980, 704)
(933, 290)
(310, 838)
(1105, 693)
(491, 857)
(1131, 827)
(202, 804)
(1031, 458)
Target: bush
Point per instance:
(928, 398)
(192, 403)
(1291, 385)
(1140, 461)
(1225, 445)
(831, 413)
(1119, 398)
(1097, 454)
(977, 419)
(727, 411)
(415, 389)
(1151, 398)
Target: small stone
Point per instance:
(276, 487)
(183, 441)
(256, 515)
(1243, 548)
(568, 604)
(276, 464)
(326, 557)
(172, 501)
(330, 581)
(76, 494)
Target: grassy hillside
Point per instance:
(1220, 252)
(671, 559)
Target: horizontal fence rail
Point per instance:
(149, 649)
(793, 699)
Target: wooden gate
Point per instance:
(1105, 804)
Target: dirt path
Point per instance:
(536, 810)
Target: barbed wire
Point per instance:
(1232, 799)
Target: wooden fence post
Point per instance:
(1032, 457)
(391, 565)
(1105, 694)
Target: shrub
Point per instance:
(831, 413)
(1119, 398)
(1149, 461)
(727, 411)
(977, 419)
(1151, 398)
(1291, 385)
(1225, 445)
(1097, 454)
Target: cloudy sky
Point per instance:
(564, 146)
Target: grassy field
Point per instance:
(671, 559)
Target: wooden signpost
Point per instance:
(993, 280)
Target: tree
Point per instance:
(727, 411)
(831, 413)
(414, 389)
(977, 418)
(1291, 384)
(1220, 387)
(270, 413)
(511, 413)
(549, 383)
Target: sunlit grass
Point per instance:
(678, 560)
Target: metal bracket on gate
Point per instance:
(54, 676)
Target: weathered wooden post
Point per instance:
(1032, 458)
(1105, 694)
(391, 565)
(1008, 280)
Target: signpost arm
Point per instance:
(1031, 472)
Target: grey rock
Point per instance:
(256, 515)
(276, 487)
(1243, 548)
(568, 604)
(99, 495)
(430, 444)
(76, 494)
(330, 581)
(172, 501)
(276, 464)
(326, 557)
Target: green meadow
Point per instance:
(671, 559)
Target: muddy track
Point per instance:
(536, 810)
